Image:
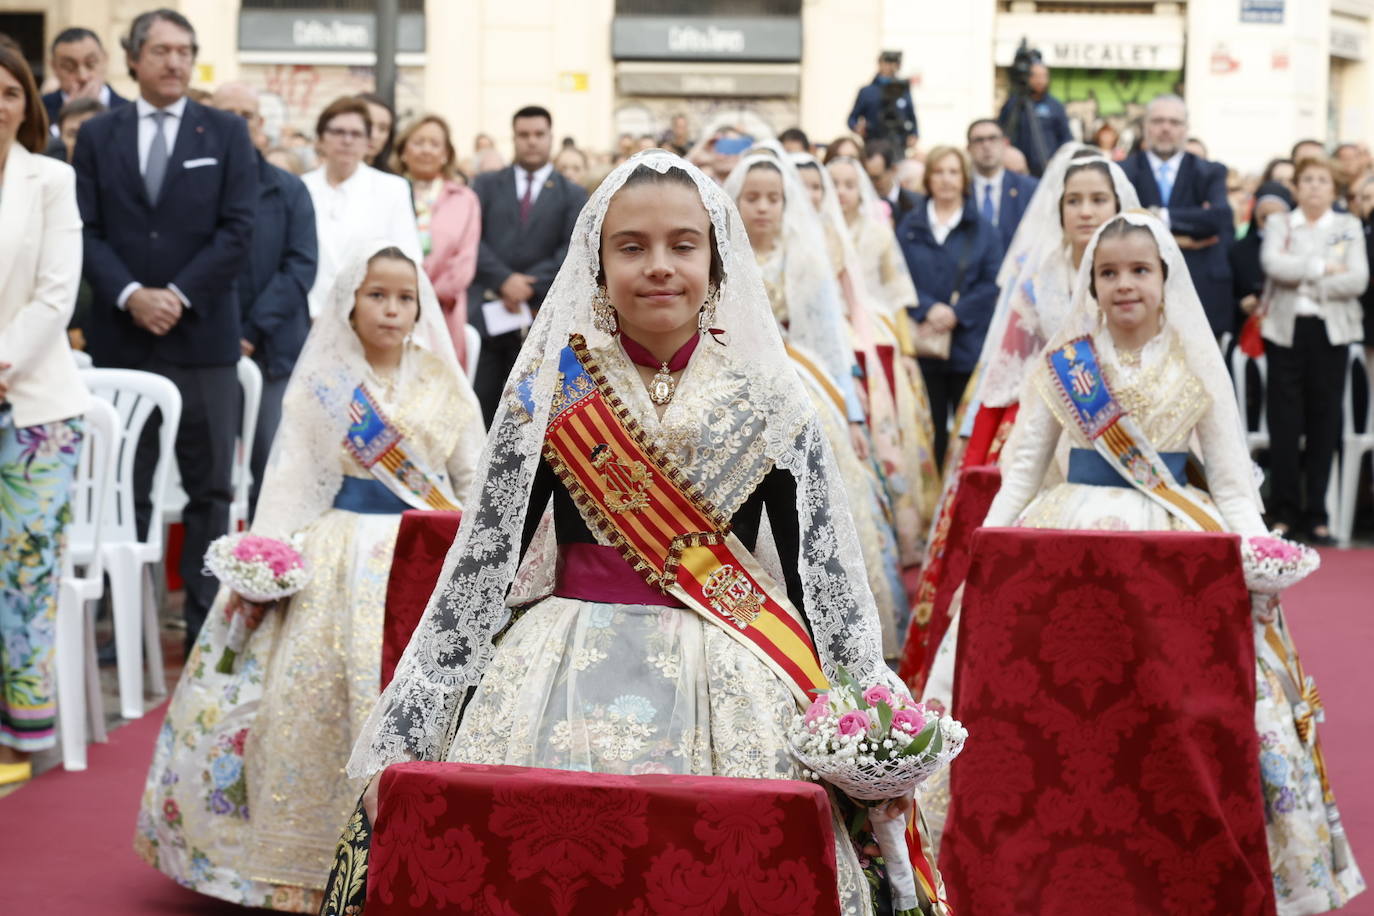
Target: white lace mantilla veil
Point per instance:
(304, 471)
(1036, 280)
(832, 216)
(874, 210)
(815, 308)
(455, 640)
(1185, 318)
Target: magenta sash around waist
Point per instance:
(590, 572)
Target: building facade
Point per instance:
(1258, 74)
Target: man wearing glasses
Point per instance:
(1189, 195)
(167, 190)
(353, 201)
(999, 195)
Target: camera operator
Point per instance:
(883, 109)
(1032, 119)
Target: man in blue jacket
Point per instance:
(883, 109)
(275, 283)
(1036, 121)
(79, 61)
(1000, 195)
(1189, 195)
(167, 190)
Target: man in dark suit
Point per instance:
(79, 60)
(274, 286)
(883, 109)
(999, 195)
(528, 212)
(880, 161)
(1189, 195)
(167, 190)
(1036, 122)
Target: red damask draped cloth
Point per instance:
(967, 506)
(421, 545)
(517, 841)
(1108, 685)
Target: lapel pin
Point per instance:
(549, 183)
(1014, 192)
(199, 129)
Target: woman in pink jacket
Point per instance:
(447, 215)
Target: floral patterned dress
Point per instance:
(37, 464)
(247, 785)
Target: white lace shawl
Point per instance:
(873, 235)
(305, 469)
(815, 307)
(1036, 281)
(456, 639)
(1229, 470)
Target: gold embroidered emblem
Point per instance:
(731, 594)
(627, 482)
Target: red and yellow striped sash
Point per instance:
(666, 529)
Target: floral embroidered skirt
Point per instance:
(246, 790)
(37, 464)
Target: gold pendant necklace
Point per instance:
(662, 387)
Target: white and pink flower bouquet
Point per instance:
(1272, 563)
(876, 744)
(259, 570)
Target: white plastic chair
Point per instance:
(82, 359)
(129, 560)
(250, 382)
(83, 581)
(1258, 439)
(472, 339)
(1354, 444)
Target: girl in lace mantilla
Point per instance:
(246, 790)
(655, 369)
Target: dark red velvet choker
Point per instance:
(640, 355)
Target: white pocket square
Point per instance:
(197, 163)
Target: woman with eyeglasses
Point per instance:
(353, 201)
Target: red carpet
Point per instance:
(1331, 616)
(66, 846)
(66, 840)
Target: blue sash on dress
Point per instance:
(368, 496)
(1087, 466)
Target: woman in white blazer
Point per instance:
(1317, 269)
(353, 201)
(41, 402)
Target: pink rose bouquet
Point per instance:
(1272, 563)
(259, 571)
(876, 744)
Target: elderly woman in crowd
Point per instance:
(1315, 258)
(41, 401)
(353, 201)
(447, 217)
(953, 257)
